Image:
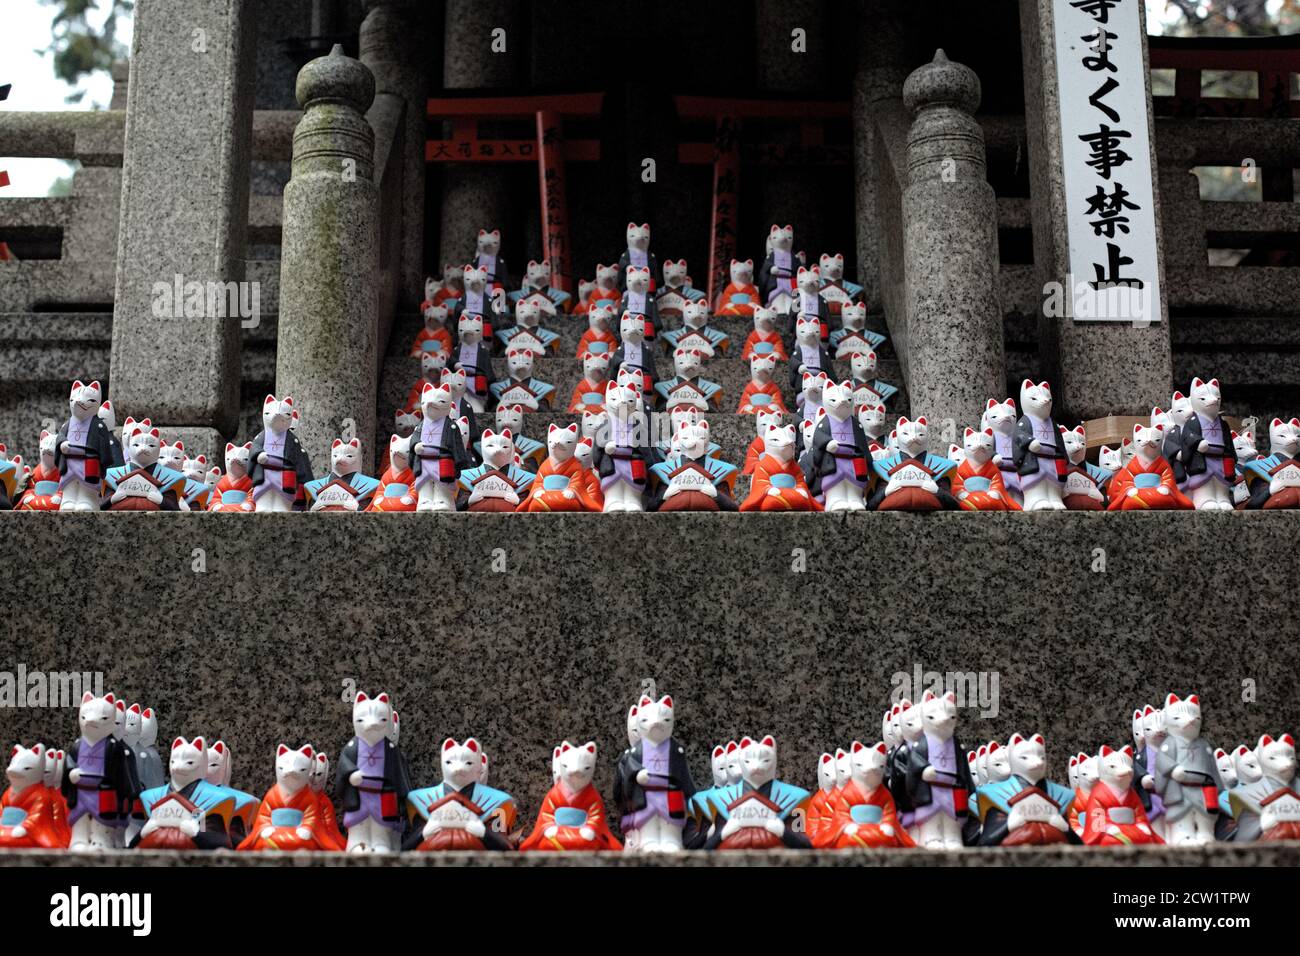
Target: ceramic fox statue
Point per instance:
(764, 339)
(1268, 807)
(1115, 816)
(433, 336)
(1187, 775)
(741, 296)
(689, 478)
(687, 387)
(146, 484)
(83, 450)
(1206, 450)
(109, 416)
(761, 392)
(634, 355)
(864, 814)
(652, 783)
(487, 256)
(624, 462)
(1025, 809)
(761, 811)
(638, 299)
(696, 333)
(328, 833)
(808, 355)
(1146, 481)
(30, 815)
(1001, 417)
(937, 780)
(598, 339)
(1038, 450)
(778, 483)
(42, 492)
(371, 782)
(189, 812)
(397, 484)
(1084, 481)
(498, 484)
(911, 478)
(288, 818)
(100, 778)
(853, 334)
(637, 255)
(1274, 481)
(776, 277)
(589, 394)
(820, 806)
(473, 356)
(606, 291)
(562, 484)
(438, 452)
(462, 812)
(345, 487)
(840, 463)
(527, 332)
(977, 480)
(573, 815)
(762, 422)
(280, 465)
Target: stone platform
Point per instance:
(293, 612)
(1223, 854)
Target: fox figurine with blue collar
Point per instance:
(461, 812)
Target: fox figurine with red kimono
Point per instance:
(29, 810)
(1115, 816)
(740, 296)
(397, 483)
(562, 483)
(765, 339)
(761, 392)
(977, 481)
(864, 814)
(764, 421)
(778, 483)
(1146, 481)
(573, 815)
(289, 815)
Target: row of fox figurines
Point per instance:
(840, 459)
(916, 787)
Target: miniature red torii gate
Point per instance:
(550, 151)
(547, 148)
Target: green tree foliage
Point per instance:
(77, 47)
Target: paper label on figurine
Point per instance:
(753, 813)
(541, 300)
(695, 340)
(1145, 479)
(1288, 476)
(910, 476)
(691, 478)
(174, 813)
(518, 395)
(1035, 808)
(493, 485)
(1121, 816)
(137, 486)
(835, 293)
(866, 395)
(670, 304)
(865, 813)
(1077, 483)
(527, 342)
(453, 814)
(1284, 807)
(286, 817)
(335, 496)
(688, 395)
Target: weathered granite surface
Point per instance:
(954, 319)
(292, 611)
(184, 207)
(329, 324)
(1223, 854)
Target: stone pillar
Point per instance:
(391, 48)
(326, 353)
(184, 213)
(878, 78)
(474, 195)
(954, 317)
(1182, 226)
(790, 195)
(1096, 368)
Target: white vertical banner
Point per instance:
(1106, 158)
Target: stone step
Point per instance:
(710, 607)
